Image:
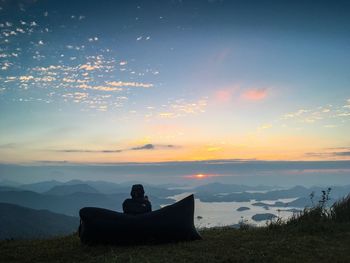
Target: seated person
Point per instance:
(138, 203)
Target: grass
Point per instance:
(313, 236)
(331, 243)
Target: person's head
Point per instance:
(137, 191)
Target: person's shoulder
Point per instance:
(128, 200)
(147, 202)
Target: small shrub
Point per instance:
(340, 210)
(243, 224)
(319, 217)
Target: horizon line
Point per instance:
(209, 161)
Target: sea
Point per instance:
(218, 214)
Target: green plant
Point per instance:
(243, 224)
(340, 210)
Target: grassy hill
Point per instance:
(330, 243)
(20, 222)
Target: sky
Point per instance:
(174, 81)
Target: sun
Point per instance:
(198, 176)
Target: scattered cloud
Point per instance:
(25, 78)
(255, 94)
(319, 154)
(265, 127)
(148, 146)
(90, 67)
(129, 84)
(342, 153)
(100, 88)
(339, 148)
(181, 107)
(225, 95)
(7, 146)
(88, 151)
(214, 149)
(234, 92)
(331, 152)
(75, 66)
(329, 116)
(93, 39)
(329, 113)
(49, 162)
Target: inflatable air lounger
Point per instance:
(168, 224)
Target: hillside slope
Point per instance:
(21, 222)
(332, 244)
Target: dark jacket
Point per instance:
(136, 206)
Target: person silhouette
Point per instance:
(138, 203)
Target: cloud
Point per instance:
(224, 95)
(166, 115)
(129, 84)
(255, 94)
(148, 146)
(87, 151)
(318, 154)
(339, 148)
(89, 67)
(231, 93)
(332, 152)
(214, 149)
(151, 146)
(25, 78)
(52, 162)
(7, 146)
(329, 113)
(265, 126)
(100, 88)
(74, 68)
(342, 153)
(181, 107)
(295, 114)
(92, 39)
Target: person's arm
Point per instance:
(125, 207)
(149, 206)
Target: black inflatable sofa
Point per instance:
(169, 224)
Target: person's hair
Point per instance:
(137, 191)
